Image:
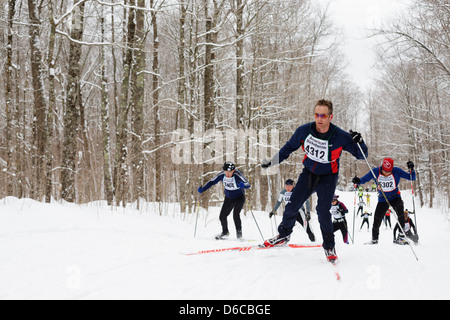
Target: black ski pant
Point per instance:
(364, 222)
(359, 209)
(387, 219)
(342, 226)
(311, 235)
(236, 206)
(380, 212)
(307, 184)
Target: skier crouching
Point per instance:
(410, 229)
(234, 184)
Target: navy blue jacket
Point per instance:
(231, 185)
(322, 150)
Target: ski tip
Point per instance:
(305, 245)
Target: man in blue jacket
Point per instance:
(323, 143)
(388, 178)
(234, 184)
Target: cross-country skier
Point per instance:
(361, 205)
(388, 178)
(360, 193)
(368, 198)
(303, 214)
(365, 217)
(323, 143)
(387, 218)
(338, 211)
(409, 228)
(234, 183)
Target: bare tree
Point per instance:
(40, 107)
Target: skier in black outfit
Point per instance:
(409, 228)
(365, 217)
(234, 183)
(361, 205)
(338, 211)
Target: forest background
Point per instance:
(141, 100)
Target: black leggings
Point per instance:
(232, 204)
(380, 211)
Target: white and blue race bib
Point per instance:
(230, 183)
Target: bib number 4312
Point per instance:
(316, 149)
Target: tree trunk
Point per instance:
(9, 182)
(155, 103)
(40, 108)
(73, 109)
(107, 175)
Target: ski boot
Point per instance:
(401, 240)
(239, 235)
(223, 236)
(331, 255)
(277, 241)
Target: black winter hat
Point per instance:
(228, 166)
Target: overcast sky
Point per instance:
(356, 17)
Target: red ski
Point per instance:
(250, 248)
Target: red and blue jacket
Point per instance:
(322, 150)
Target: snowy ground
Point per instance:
(95, 252)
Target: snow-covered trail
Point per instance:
(95, 252)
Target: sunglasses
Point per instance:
(321, 115)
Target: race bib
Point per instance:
(407, 227)
(230, 183)
(287, 197)
(316, 149)
(387, 184)
(335, 212)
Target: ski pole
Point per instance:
(256, 222)
(198, 211)
(354, 215)
(385, 198)
(414, 204)
(348, 233)
(269, 184)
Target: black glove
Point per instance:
(356, 180)
(308, 216)
(410, 165)
(356, 137)
(266, 164)
(271, 214)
